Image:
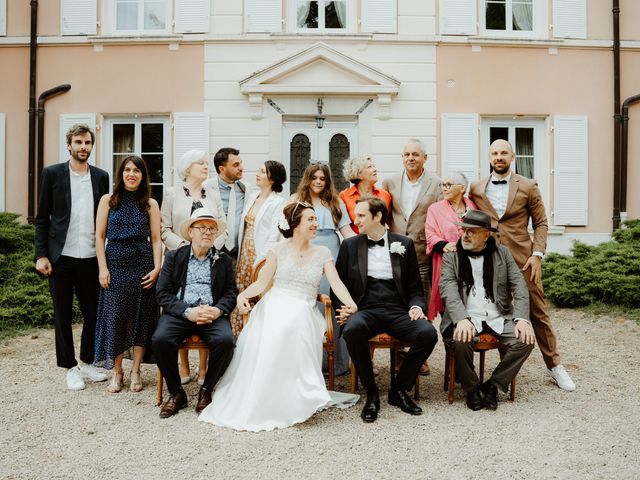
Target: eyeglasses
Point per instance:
(447, 185)
(207, 229)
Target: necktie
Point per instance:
(499, 182)
(373, 243)
(231, 220)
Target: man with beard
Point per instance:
(512, 200)
(484, 291)
(65, 249)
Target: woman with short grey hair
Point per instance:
(362, 173)
(177, 205)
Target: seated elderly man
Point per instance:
(484, 291)
(197, 292)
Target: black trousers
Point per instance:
(393, 320)
(80, 275)
(172, 330)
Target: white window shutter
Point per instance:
(190, 132)
(3, 18)
(67, 121)
(379, 16)
(458, 17)
(192, 16)
(571, 159)
(78, 17)
(570, 18)
(263, 15)
(3, 171)
(459, 144)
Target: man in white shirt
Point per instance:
(484, 291)
(65, 249)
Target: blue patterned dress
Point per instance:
(127, 313)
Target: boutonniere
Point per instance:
(396, 247)
(216, 257)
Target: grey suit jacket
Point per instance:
(411, 224)
(509, 289)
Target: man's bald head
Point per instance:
(500, 156)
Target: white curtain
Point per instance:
(524, 152)
(341, 12)
(304, 6)
(523, 16)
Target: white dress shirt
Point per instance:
(81, 235)
(498, 194)
(379, 259)
(409, 194)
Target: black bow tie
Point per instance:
(373, 243)
(499, 182)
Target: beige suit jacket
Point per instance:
(411, 224)
(524, 202)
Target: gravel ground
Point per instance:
(50, 432)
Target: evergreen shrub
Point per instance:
(607, 273)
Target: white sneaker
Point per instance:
(562, 378)
(74, 379)
(92, 373)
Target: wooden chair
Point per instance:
(487, 342)
(327, 343)
(385, 341)
(192, 343)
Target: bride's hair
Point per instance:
(292, 215)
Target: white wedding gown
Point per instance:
(275, 377)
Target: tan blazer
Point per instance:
(524, 201)
(411, 224)
(176, 209)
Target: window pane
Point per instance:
(126, 15)
(523, 15)
(496, 16)
(524, 152)
(335, 14)
(155, 15)
(498, 133)
(152, 138)
(117, 160)
(154, 165)
(156, 193)
(307, 14)
(123, 138)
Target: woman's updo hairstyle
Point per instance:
(276, 173)
(291, 217)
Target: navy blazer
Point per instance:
(173, 278)
(352, 266)
(54, 207)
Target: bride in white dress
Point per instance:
(275, 377)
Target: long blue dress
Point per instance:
(127, 313)
(327, 235)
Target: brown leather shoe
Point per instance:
(173, 404)
(204, 399)
(425, 369)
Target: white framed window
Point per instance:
(3, 17)
(146, 137)
(529, 140)
(321, 16)
(141, 16)
(513, 18)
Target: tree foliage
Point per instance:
(608, 273)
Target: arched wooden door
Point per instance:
(299, 156)
(339, 151)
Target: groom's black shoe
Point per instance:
(399, 398)
(474, 399)
(371, 407)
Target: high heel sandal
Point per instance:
(116, 382)
(136, 382)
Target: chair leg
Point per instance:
(513, 390)
(482, 367)
(331, 370)
(416, 389)
(452, 374)
(392, 363)
(445, 383)
(354, 377)
(160, 385)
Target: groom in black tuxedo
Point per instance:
(380, 269)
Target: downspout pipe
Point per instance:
(44, 96)
(33, 46)
(624, 150)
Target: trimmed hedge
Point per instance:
(24, 296)
(607, 273)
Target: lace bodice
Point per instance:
(293, 275)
